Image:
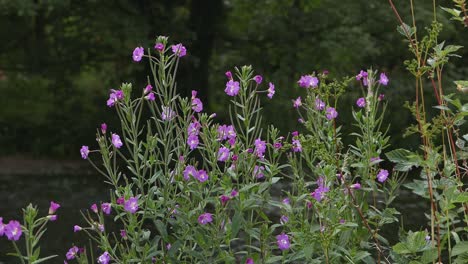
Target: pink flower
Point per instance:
(52, 218)
(383, 79)
(197, 105)
(260, 147)
(224, 199)
(249, 261)
(192, 141)
(13, 230)
(283, 241)
(284, 219)
(194, 128)
(190, 171)
(362, 76)
(94, 208)
(331, 113)
(258, 79)
(103, 128)
(84, 151)
(123, 233)
(159, 47)
(223, 154)
(381, 97)
(258, 172)
(179, 50)
(319, 104)
(308, 81)
(232, 88)
(106, 208)
(120, 200)
(104, 258)
(296, 145)
(202, 176)
(53, 207)
(72, 252)
(229, 75)
(356, 186)
(234, 193)
(361, 102)
(150, 97)
(271, 90)
(205, 218)
(2, 227)
(148, 89)
(286, 201)
(382, 175)
(77, 228)
(131, 205)
(297, 102)
(138, 53)
(116, 140)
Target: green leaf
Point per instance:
(460, 248)
(403, 158)
(44, 259)
(236, 224)
(404, 29)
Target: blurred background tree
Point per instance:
(59, 58)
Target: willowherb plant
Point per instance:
(186, 189)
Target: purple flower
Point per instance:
(297, 102)
(53, 207)
(383, 79)
(356, 186)
(362, 76)
(131, 205)
(94, 208)
(192, 141)
(197, 105)
(283, 241)
(320, 191)
(101, 227)
(123, 233)
(271, 90)
(194, 128)
(202, 176)
(179, 50)
(84, 151)
(284, 219)
(296, 145)
(120, 200)
(13, 230)
(427, 238)
(103, 128)
(307, 81)
(230, 132)
(319, 104)
(104, 258)
(331, 113)
(232, 88)
(72, 252)
(295, 133)
(260, 147)
(150, 97)
(381, 97)
(190, 171)
(258, 172)
(52, 218)
(382, 175)
(223, 154)
(106, 208)
(148, 89)
(114, 96)
(167, 113)
(258, 79)
(234, 193)
(224, 199)
(361, 102)
(342, 221)
(159, 47)
(205, 218)
(138, 53)
(116, 140)
(286, 201)
(229, 75)
(77, 228)
(249, 261)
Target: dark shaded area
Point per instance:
(58, 59)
